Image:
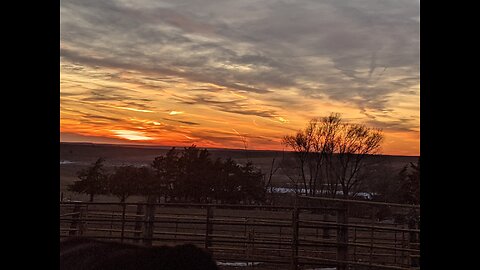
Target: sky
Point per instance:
(235, 74)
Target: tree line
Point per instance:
(189, 175)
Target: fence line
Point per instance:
(294, 236)
(415, 206)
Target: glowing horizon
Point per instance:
(162, 73)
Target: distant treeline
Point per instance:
(187, 175)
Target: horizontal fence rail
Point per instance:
(313, 233)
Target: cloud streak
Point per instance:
(287, 61)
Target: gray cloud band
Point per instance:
(358, 52)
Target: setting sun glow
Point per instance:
(169, 74)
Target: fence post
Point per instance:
(149, 224)
(111, 222)
(247, 239)
(326, 228)
(395, 257)
(413, 240)
(355, 246)
(251, 247)
(372, 234)
(209, 227)
(138, 222)
(342, 236)
(74, 225)
(404, 245)
(83, 220)
(124, 206)
(295, 216)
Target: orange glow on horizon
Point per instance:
(221, 120)
(390, 146)
(132, 135)
(177, 74)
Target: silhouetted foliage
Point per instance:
(409, 184)
(92, 180)
(229, 182)
(191, 175)
(187, 175)
(129, 180)
(195, 174)
(166, 171)
(252, 185)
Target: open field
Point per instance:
(75, 156)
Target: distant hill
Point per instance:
(91, 151)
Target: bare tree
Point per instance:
(301, 143)
(92, 180)
(330, 154)
(313, 146)
(353, 144)
(325, 147)
(273, 170)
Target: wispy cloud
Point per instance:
(133, 109)
(287, 61)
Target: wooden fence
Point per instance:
(314, 232)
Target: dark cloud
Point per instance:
(396, 125)
(112, 119)
(182, 121)
(238, 106)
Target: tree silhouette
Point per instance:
(194, 172)
(409, 184)
(92, 180)
(354, 143)
(252, 185)
(331, 154)
(166, 171)
(230, 182)
(191, 175)
(147, 184)
(314, 147)
(125, 181)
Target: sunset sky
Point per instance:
(212, 72)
